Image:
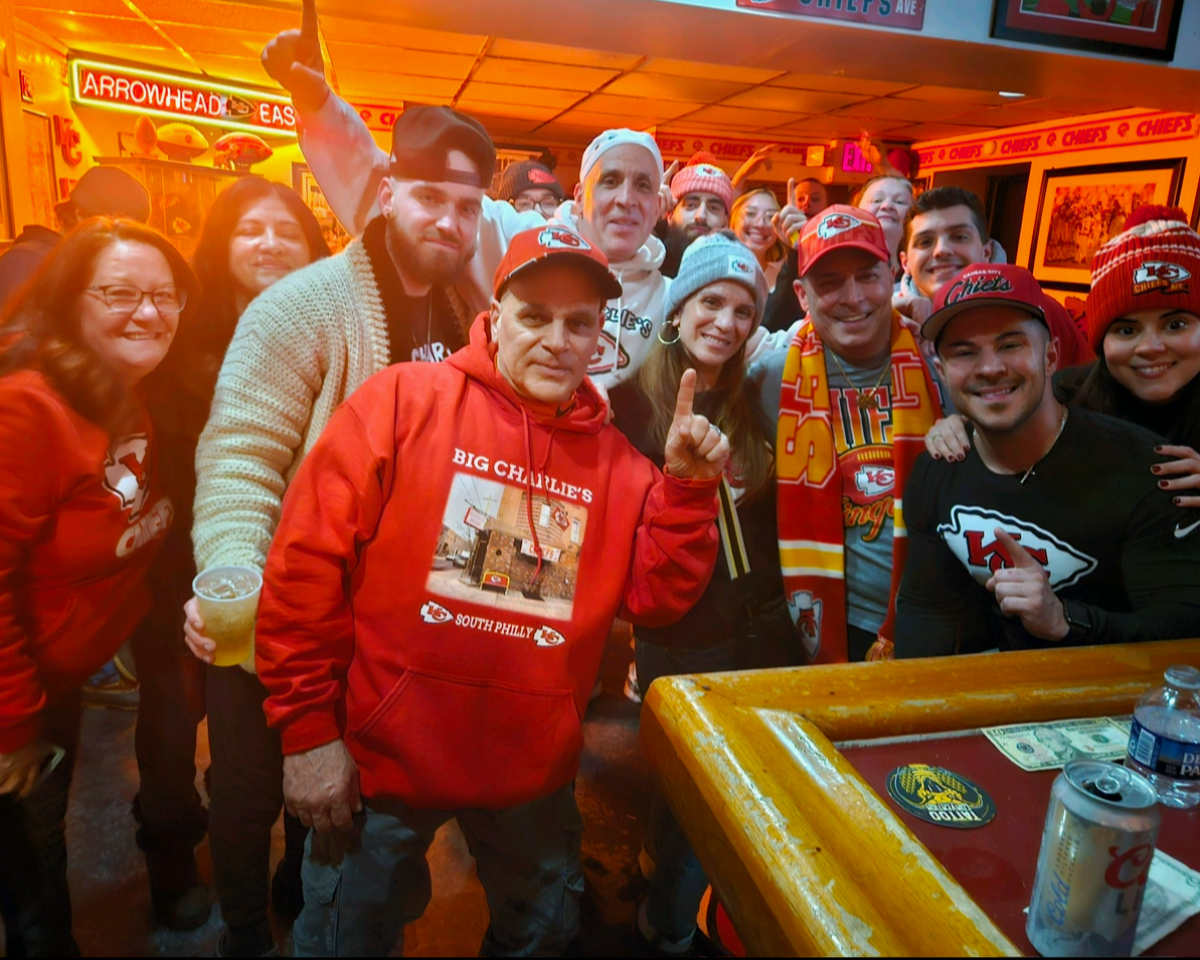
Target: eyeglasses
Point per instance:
(121, 298)
(546, 207)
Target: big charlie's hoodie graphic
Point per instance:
(451, 691)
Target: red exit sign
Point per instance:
(854, 160)
(134, 90)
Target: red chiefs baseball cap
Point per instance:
(837, 228)
(552, 240)
(985, 285)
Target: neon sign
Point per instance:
(853, 159)
(133, 90)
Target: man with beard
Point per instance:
(1007, 547)
(301, 348)
(701, 198)
(944, 232)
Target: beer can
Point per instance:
(1096, 851)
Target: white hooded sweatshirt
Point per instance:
(348, 165)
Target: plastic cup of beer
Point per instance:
(228, 602)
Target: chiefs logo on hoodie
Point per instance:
(125, 474)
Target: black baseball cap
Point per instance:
(110, 192)
(423, 138)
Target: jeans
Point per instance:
(34, 900)
(678, 882)
(171, 818)
(362, 888)
(246, 786)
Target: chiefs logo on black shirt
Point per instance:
(971, 536)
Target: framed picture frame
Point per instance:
(39, 152)
(305, 184)
(1081, 208)
(1146, 29)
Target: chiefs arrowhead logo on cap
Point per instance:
(539, 176)
(977, 283)
(1159, 275)
(707, 170)
(837, 223)
(739, 265)
(557, 238)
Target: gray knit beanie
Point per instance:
(715, 257)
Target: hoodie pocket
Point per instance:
(448, 742)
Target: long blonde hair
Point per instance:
(735, 414)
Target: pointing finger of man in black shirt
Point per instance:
(1023, 590)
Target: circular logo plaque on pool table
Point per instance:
(940, 796)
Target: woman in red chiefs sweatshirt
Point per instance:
(446, 571)
(81, 517)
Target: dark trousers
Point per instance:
(171, 817)
(35, 902)
(246, 789)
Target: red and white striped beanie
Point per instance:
(1155, 263)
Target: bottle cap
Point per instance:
(1182, 677)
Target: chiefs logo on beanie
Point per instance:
(1154, 264)
(702, 175)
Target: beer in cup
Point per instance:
(228, 601)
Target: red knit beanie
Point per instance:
(1155, 263)
(702, 175)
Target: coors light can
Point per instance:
(1096, 850)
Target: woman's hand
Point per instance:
(19, 771)
(1187, 465)
(790, 221)
(201, 646)
(948, 439)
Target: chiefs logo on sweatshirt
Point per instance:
(971, 536)
(125, 474)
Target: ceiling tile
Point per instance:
(835, 84)
(545, 75)
(937, 131)
(663, 110)
(365, 85)
(521, 111)
(604, 121)
(688, 68)
(1073, 105)
(550, 99)
(83, 32)
(798, 101)
(418, 63)
(744, 119)
(913, 111)
(552, 53)
(234, 16)
(199, 39)
(111, 8)
(391, 34)
(1007, 116)
(660, 86)
(938, 94)
(232, 67)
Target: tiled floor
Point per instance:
(108, 880)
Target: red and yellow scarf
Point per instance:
(811, 526)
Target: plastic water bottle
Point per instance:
(1164, 744)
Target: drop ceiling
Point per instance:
(530, 89)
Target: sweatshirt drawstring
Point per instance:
(620, 274)
(537, 543)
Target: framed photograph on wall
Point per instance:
(305, 184)
(1127, 28)
(1082, 208)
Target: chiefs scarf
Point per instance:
(811, 532)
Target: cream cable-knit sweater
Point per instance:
(300, 349)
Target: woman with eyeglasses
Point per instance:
(752, 219)
(256, 233)
(82, 515)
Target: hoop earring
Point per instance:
(668, 325)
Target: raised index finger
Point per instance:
(687, 396)
(1020, 556)
(308, 20)
(791, 194)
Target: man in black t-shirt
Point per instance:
(1052, 529)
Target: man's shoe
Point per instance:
(185, 912)
(660, 946)
(111, 687)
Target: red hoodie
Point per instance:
(81, 519)
(404, 608)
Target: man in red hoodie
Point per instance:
(446, 571)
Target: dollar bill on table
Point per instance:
(1048, 746)
(1172, 896)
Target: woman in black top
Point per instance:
(256, 232)
(713, 306)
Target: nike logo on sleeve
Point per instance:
(1180, 533)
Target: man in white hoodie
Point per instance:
(615, 206)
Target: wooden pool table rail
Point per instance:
(807, 858)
